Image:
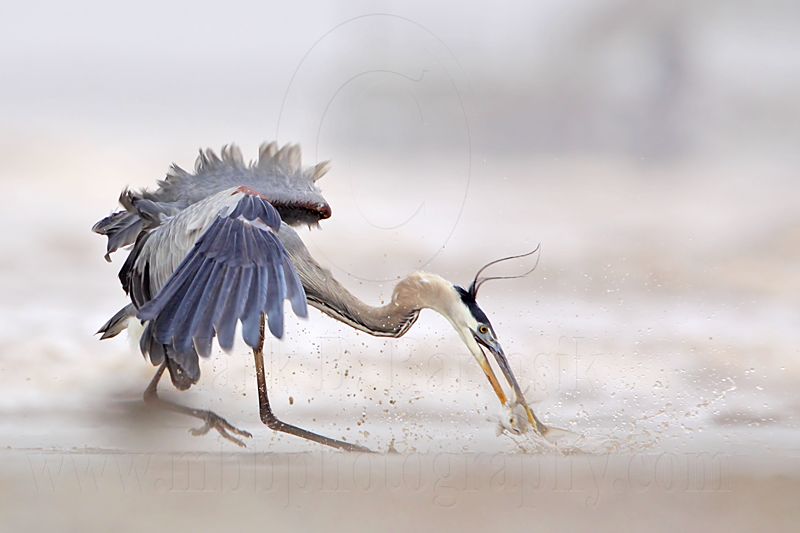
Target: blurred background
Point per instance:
(651, 148)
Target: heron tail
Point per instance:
(117, 323)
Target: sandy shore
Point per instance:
(95, 490)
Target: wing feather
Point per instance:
(278, 174)
(237, 271)
(226, 315)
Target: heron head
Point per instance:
(478, 334)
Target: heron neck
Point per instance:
(390, 320)
(411, 294)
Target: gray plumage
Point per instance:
(325, 293)
(206, 255)
(277, 174)
(215, 249)
(117, 323)
(200, 273)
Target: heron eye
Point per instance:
(483, 329)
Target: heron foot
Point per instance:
(211, 420)
(222, 426)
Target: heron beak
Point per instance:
(502, 362)
(487, 369)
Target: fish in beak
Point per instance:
(478, 333)
(519, 398)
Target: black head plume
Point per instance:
(478, 281)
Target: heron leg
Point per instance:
(268, 418)
(211, 420)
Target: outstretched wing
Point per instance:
(277, 174)
(200, 273)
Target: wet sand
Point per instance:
(96, 490)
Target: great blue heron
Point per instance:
(215, 247)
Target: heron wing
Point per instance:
(231, 268)
(277, 173)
